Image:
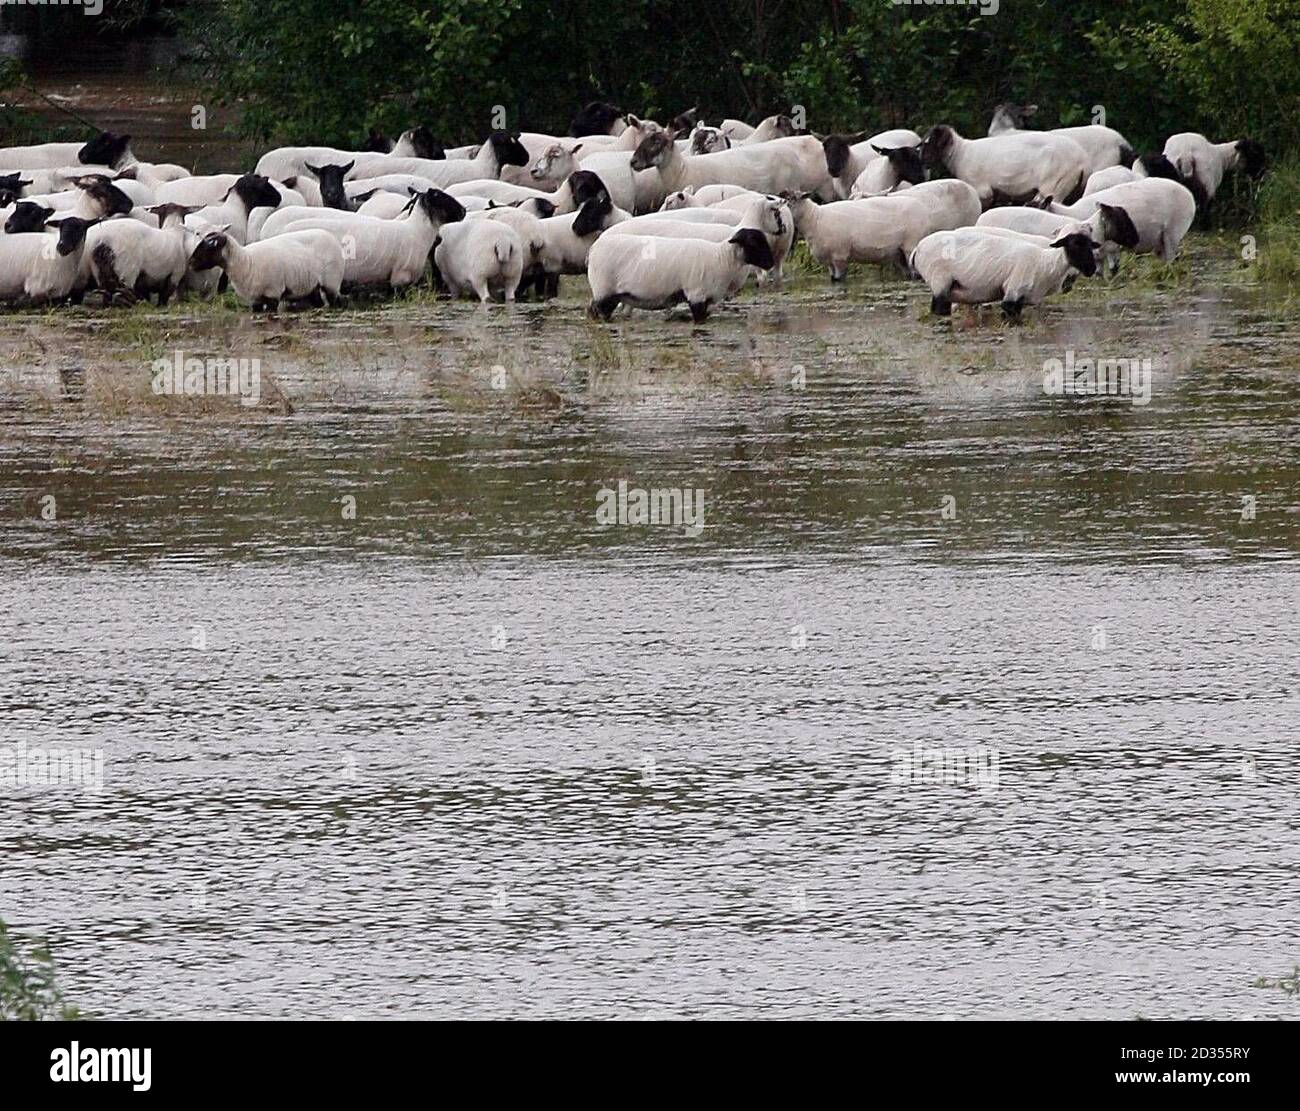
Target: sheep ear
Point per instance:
(290, 182)
(348, 168)
(689, 190)
(361, 198)
(575, 149)
(48, 212)
(631, 120)
(1030, 109)
(412, 191)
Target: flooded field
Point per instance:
(393, 725)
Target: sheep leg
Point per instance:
(900, 263)
(552, 285)
(1012, 310)
(941, 303)
(264, 304)
(699, 311)
(839, 269)
(165, 292)
(1168, 249)
(604, 308)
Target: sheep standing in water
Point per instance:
(972, 267)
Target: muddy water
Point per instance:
(470, 752)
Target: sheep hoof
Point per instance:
(940, 306)
(699, 311)
(1012, 310)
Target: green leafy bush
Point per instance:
(27, 988)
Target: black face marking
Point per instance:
(256, 192)
(72, 233)
(165, 211)
(651, 150)
(1118, 226)
(595, 119)
(377, 142)
(108, 196)
(906, 162)
(425, 145)
(837, 154)
(1253, 157)
(331, 184)
(684, 122)
(585, 184)
(538, 206)
(105, 149)
(209, 251)
(936, 150)
(14, 183)
(1157, 165)
(27, 216)
(592, 215)
(1079, 249)
(754, 248)
(440, 207)
(509, 151)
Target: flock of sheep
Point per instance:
(654, 215)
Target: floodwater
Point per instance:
(392, 725)
(456, 748)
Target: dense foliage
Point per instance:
(329, 69)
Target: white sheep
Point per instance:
(795, 164)
(250, 191)
(500, 150)
(701, 274)
(297, 266)
(769, 215)
(93, 198)
(1110, 225)
(392, 253)
(1162, 212)
(40, 268)
(973, 267)
(569, 237)
(690, 197)
(1205, 163)
(359, 188)
(209, 189)
(1012, 167)
(1105, 179)
(128, 259)
(949, 204)
(532, 235)
(628, 190)
(106, 149)
(500, 192)
(483, 256)
(1104, 146)
(876, 229)
(848, 157)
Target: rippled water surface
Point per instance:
(470, 753)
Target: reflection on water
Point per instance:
(468, 752)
